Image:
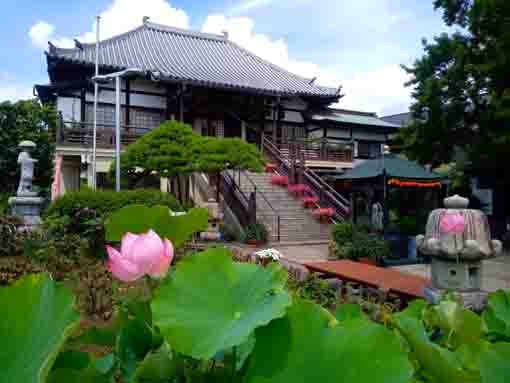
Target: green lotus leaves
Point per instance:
(496, 317)
(309, 345)
(459, 325)
(348, 311)
(436, 364)
(140, 219)
(494, 364)
(210, 303)
(158, 366)
(37, 317)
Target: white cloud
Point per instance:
(40, 33)
(11, 89)
(124, 15)
(121, 16)
(381, 90)
(15, 92)
(248, 5)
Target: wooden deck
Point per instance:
(402, 284)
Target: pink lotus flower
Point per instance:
(144, 254)
(452, 224)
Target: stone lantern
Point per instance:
(457, 239)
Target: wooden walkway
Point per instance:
(405, 285)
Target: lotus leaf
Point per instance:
(210, 303)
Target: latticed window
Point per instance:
(139, 117)
(293, 132)
(146, 118)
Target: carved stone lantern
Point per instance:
(457, 239)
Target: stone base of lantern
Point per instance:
(462, 276)
(473, 300)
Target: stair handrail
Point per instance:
(258, 192)
(238, 194)
(338, 202)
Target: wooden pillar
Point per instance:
(83, 100)
(168, 102)
(128, 103)
(181, 103)
(274, 113)
(278, 121)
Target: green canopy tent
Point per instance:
(375, 178)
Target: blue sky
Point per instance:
(357, 44)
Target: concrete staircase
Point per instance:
(296, 223)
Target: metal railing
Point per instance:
(265, 212)
(237, 201)
(74, 133)
(328, 197)
(315, 150)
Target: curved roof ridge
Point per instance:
(108, 40)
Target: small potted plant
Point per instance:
(256, 234)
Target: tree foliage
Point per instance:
(462, 89)
(174, 149)
(26, 120)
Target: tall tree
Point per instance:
(26, 120)
(462, 90)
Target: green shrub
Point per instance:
(4, 205)
(256, 231)
(342, 233)
(369, 246)
(8, 228)
(354, 242)
(106, 202)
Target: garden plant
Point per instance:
(208, 318)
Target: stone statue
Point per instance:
(26, 163)
(26, 205)
(377, 216)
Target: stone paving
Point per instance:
(495, 271)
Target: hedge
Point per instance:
(105, 202)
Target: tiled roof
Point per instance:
(192, 57)
(401, 119)
(352, 117)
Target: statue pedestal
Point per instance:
(28, 208)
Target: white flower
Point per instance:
(275, 255)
